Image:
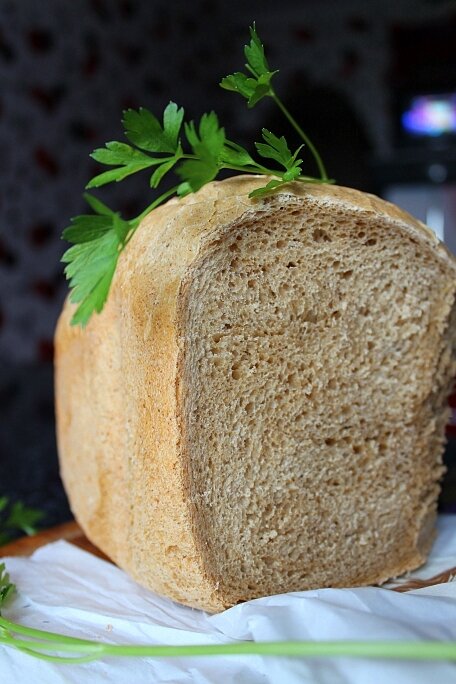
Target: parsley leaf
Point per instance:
(254, 54)
(266, 189)
(92, 260)
(257, 85)
(161, 171)
(24, 518)
(117, 153)
(128, 158)
(15, 518)
(144, 130)
(235, 155)
(97, 205)
(6, 586)
(207, 146)
(277, 149)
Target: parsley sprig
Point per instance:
(7, 588)
(17, 518)
(195, 152)
(256, 85)
(59, 648)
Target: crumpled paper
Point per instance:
(65, 589)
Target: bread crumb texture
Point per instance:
(261, 406)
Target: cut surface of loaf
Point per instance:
(261, 405)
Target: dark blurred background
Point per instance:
(373, 83)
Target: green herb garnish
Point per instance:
(47, 645)
(7, 588)
(16, 518)
(257, 85)
(98, 239)
(66, 649)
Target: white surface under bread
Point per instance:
(64, 589)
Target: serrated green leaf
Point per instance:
(208, 146)
(121, 228)
(275, 148)
(17, 518)
(254, 54)
(172, 122)
(293, 173)
(235, 154)
(87, 227)
(117, 153)
(97, 205)
(92, 260)
(7, 588)
(257, 85)
(93, 270)
(211, 133)
(210, 139)
(117, 174)
(252, 89)
(144, 130)
(95, 299)
(272, 185)
(184, 189)
(197, 172)
(294, 157)
(160, 172)
(268, 152)
(239, 83)
(260, 91)
(91, 291)
(23, 518)
(128, 160)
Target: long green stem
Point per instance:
(273, 172)
(308, 142)
(39, 643)
(7, 627)
(155, 203)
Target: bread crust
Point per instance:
(120, 428)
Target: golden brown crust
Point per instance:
(120, 433)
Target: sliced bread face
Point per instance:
(274, 419)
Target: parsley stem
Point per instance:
(308, 142)
(154, 204)
(90, 650)
(257, 169)
(78, 660)
(8, 627)
(277, 174)
(395, 649)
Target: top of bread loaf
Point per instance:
(238, 188)
(260, 407)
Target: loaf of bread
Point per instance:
(261, 405)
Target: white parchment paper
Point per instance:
(64, 589)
